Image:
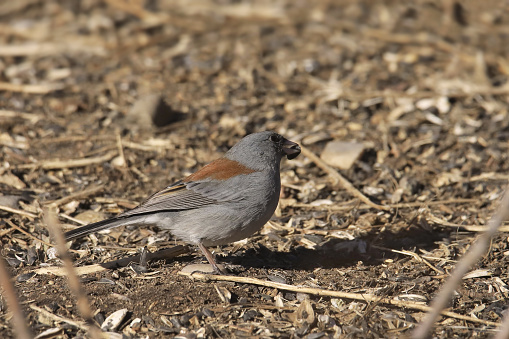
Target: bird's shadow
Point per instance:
(336, 253)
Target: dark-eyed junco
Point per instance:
(227, 200)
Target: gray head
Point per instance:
(259, 150)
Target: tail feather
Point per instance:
(94, 227)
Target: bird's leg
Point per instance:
(210, 259)
(143, 257)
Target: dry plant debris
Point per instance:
(104, 102)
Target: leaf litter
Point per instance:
(427, 102)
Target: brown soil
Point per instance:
(421, 84)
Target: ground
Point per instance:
(422, 86)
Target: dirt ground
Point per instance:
(104, 102)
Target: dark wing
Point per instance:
(176, 197)
(183, 196)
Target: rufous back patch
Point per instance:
(220, 169)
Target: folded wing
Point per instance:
(184, 196)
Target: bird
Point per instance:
(227, 200)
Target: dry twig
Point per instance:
(31, 89)
(17, 211)
(59, 164)
(340, 179)
(503, 332)
(488, 176)
(120, 148)
(348, 206)
(76, 44)
(414, 255)
(134, 8)
(32, 117)
(78, 324)
(77, 195)
(68, 217)
(75, 138)
(26, 233)
(336, 294)
(167, 253)
(469, 259)
(470, 228)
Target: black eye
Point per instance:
(275, 138)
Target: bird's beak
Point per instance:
(291, 149)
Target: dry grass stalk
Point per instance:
(167, 253)
(414, 255)
(503, 331)
(335, 294)
(57, 318)
(59, 164)
(32, 117)
(18, 319)
(340, 179)
(470, 228)
(348, 206)
(30, 89)
(10, 223)
(17, 211)
(135, 8)
(77, 195)
(51, 221)
(469, 259)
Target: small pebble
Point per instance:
(113, 321)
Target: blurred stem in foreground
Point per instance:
(476, 251)
(51, 221)
(18, 319)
